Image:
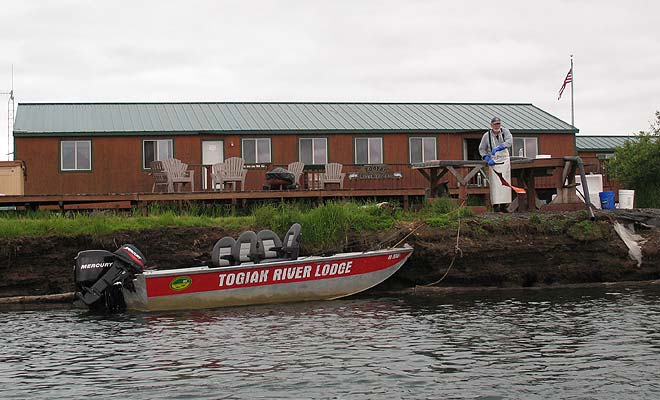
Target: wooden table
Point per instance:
(523, 170)
(436, 169)
(526, 170)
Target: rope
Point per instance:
(457, 252)
(422, 223)
(393, 236)
(353, 243)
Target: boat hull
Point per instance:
(305, 279)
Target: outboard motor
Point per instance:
(100, 276)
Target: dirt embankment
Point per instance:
(524, 251)
(491, 250)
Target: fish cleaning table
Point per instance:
(523, 170)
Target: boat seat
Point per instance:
(221, 256)
(291, 242)
(270, 245)
(245, 249)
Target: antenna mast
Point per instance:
(10, 115)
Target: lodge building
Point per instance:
(88, 148)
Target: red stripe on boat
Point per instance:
(296, 271)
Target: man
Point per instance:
(494, 149)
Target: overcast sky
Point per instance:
(339, 50)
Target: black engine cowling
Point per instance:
(90, 266)
(100, 276)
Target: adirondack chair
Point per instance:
(332, 174)
(216, 175)
(229, 172)
(296, 168)
(160, 176)
(178, 173)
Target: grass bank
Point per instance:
(333, 226)
(486, 250)
(325, 227)
(71, 224)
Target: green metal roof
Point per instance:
(600, 143)
(193, 118)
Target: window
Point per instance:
(256, 151)
(422, 149)
(212, 152)
(156, 150)
(368, 150)
(313, 150)
(76, 155)
(525, 147)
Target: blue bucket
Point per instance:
(606, 200)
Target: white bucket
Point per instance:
(626, 199)
(595, 185)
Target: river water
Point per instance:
(560, 343)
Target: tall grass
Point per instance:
(69, 224)
(442, 212)
(326, 226)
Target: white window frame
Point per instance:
(159, 143)
(515, 151)
(75, 155)
(313, 139)
(369, 157)
(257, 160)
(424, 139)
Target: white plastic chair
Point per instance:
(332, 174)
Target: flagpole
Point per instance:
(572, 85)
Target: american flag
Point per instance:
(567, 80)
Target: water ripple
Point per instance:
(587, 343)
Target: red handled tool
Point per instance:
(516, 189)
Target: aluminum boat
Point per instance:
(255, 269)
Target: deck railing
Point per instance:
(358, 176)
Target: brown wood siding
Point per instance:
(116, 164)
(117, 161)
(557, 145)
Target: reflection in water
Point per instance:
(582, 343)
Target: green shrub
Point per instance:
(441, 205)
(586, 231)
(635, 165)
(535, 219)
(475, 200)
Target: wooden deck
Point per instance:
(130, 200)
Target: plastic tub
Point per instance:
(606, 200)
(595, 185)
(626, 199)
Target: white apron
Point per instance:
(500, 194)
